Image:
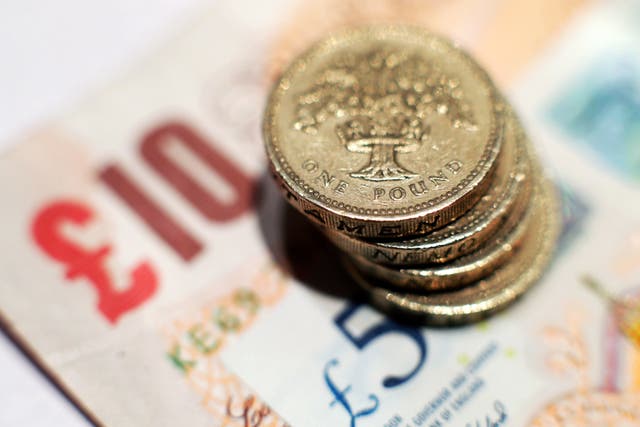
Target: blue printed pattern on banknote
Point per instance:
(601, 110)
(574, 212)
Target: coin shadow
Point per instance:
(299, 247)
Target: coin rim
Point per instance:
(457, 273)
(499, 289)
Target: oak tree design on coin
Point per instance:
(383, 131)
(382, 100)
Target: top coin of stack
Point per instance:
(399, 146)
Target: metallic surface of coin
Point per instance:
(455, 274)
(383, 132)
(492, 293)
(506, 199)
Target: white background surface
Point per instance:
(54, 53)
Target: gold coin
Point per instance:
(492, 293)
(383, 132)
(506, 199)
(454, 274)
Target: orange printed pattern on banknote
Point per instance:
(196, 338)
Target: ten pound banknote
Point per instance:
(151, 268)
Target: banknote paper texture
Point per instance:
(129, 207)
(147, 260)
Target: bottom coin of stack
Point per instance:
(477, 264)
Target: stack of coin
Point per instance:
(398, 145)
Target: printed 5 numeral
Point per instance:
(378, 331)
